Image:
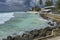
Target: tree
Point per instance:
(58, 4)
(40, 1)
(36, 8)
(48, 3)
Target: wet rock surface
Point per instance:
(31, 34)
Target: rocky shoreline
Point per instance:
(31, 35)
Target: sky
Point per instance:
(12, 5)
(21, 5)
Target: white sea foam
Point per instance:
(42, 19)
(5, 17)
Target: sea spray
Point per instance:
(5, 17)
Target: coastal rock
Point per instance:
(18, 38)
(4, 39)
(27, 36)
(48, 29)
(39, 31)
(44, 32)
(34, 33)
(9, 38)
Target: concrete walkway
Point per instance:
(55, 38)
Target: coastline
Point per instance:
(17, 33)
(31, 35)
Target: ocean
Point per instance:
(16, 22)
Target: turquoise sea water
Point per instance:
(15, 22)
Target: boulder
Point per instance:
(27, 36)
(17, 37)
(4, 39)
(34, 33)
(9, 38)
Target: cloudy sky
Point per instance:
(21, 5)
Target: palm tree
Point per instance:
(58, 4)
(48, 3)
(36, 8)
(40, 1)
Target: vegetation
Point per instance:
(40, 1)
(58, 5)
(48, 3)
(36, 8)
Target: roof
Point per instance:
(46, 10)
(49, 7)
(32, 12)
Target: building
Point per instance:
(48, 9)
